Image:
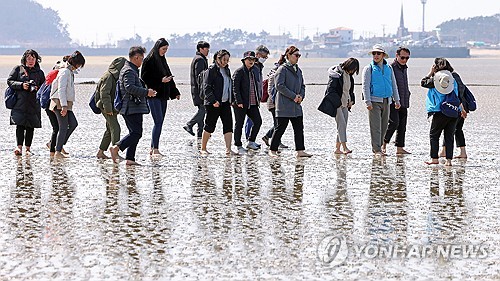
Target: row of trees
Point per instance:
(485, 29)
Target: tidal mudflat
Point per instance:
(250, 217)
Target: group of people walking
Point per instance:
(124, 89)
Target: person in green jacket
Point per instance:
(105, 95)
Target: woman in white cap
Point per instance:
(440, 83)
(379, 91)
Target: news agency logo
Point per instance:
(333, 250)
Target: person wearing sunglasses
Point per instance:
(290, 88)
(379, 85)
(398, 117)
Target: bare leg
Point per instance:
(204, 142)
(463, 153)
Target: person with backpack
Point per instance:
(43, 96)
(247, 88)
(290, 92)
(442, 86)
(218, 97)
(105, 96)
(134, 105)
(444, 64)
(156, 73)
(198, 64)
(62, 97)
(25, 79)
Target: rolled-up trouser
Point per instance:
(112, 133)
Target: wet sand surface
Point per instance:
(250, 217)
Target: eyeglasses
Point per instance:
(297, 55)
(376, 53)
(404, 58)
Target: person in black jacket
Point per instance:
(134, 105)
(217, 86)
(398, 117)
(156, 73)
(199, 63)
(341, 89)
(25, 79)
(248, 93)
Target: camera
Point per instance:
(31, 86)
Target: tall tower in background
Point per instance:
(423, 14)
(402, 30)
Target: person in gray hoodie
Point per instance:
(379, 86)
(290, 88)
(134, 104)
(104, 97)
(341, 88)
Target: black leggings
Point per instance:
(24, 135)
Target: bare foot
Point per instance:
(59, 155)
(383, 150)
(347, 151)
(155, 152)
(461, 156)
(101, 155)
(18, 152)
(302, 153)
(204, 153)
(448, 162)
(432, 162)
(401, 151)
(114, 152)
(64, 151)
(132, 163)
(338, 151)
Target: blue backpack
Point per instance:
(43, 95)
(10, 98)
(451, 105)
(118, 102)
(93, 104)
(470, 100)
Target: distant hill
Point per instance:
(27, 23)
(486, 29)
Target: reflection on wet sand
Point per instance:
(387, 219)
(339, 207)
(448, 213)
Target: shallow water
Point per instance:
(184, 217)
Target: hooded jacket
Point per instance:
(289, 83)
(106, 87)
(27, 110)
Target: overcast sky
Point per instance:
(109, 20)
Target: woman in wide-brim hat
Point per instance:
(440, 82)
